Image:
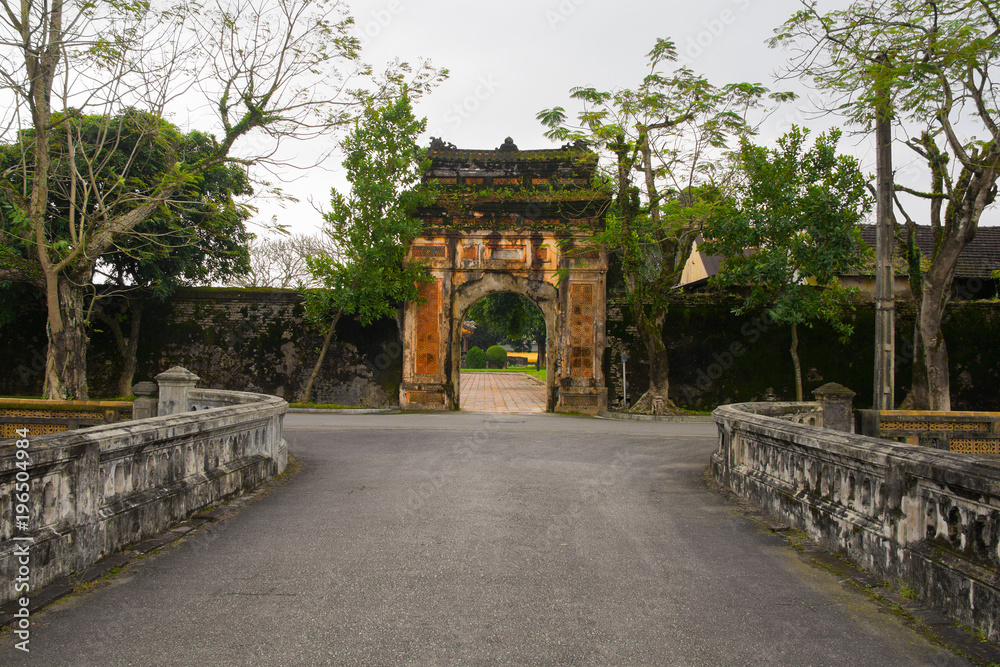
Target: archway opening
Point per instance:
(503, 361)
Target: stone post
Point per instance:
(144, 406)
(174, 385)
(836, 401)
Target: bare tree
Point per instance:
(280, 262)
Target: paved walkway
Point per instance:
(471, 539)
(502, 392)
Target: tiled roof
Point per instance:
(572, 160)
(979, 259)
(554, 154)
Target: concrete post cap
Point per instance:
(177, 374)
(145, 389)
(833, 389)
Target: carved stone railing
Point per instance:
(96, 490)
(926, 517)
(810, 413)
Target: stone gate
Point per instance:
(517, 221)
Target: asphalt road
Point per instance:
(471, 539)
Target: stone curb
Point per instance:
(344, 411)
(63, 586)
(694, 419)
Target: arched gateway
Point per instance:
(510, 221)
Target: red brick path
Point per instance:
(502, 392)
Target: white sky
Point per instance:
(509, 60)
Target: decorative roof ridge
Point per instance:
(508, 151)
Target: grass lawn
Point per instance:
(530, 370)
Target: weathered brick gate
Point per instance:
(510, 221)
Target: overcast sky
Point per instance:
(509, 60)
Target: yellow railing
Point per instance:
(40, 416)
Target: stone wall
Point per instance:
(926, 518)
(257, 340)
(250, 340)
(718, 357)
(88, 493)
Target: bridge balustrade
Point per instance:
(924, 517)
(96, 490)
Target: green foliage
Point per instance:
(667, 140)
(373, 225)
(908, 55)
(475, 358)
(929, 68)
(793, 228)
(197, 235)
(496, 356)
(512, 317)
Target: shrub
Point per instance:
(497, 356)
(475, 358)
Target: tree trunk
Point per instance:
(656, 399)
(936, 292)
(935, 352)
(306, 394)
(66, 359)
(130, 349)
(917, 398)
(794, 349)
(127, 347)
(540, 358)
(885, 304)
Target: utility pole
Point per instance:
(885, 305)
(624, 384)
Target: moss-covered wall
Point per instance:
(252, 340)
(257, 340)
(718, 357)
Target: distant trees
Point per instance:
(791, 230)
(512, 316)
(280, 261)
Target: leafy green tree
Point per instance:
(666, 139)
(201, 241)
(372, 226)
(932, 67)
(200, 236)
(267, 70)
(792, 230)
